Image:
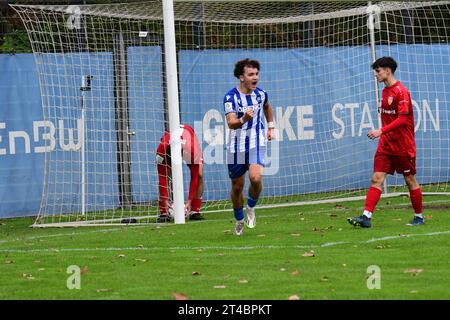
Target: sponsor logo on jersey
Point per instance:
(254, 107)
(388, 111)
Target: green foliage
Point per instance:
(15, 42)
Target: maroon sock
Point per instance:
(416, 200)
(372, 198)
(196, 205)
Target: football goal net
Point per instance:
(106, 98)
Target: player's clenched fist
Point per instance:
(248, 115)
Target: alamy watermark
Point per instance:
(374, 279)
(74, 280)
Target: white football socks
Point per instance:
(368, 214)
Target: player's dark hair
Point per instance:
(385, 62)
(240, 65)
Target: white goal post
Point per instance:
(315, 60)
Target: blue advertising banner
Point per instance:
(22, 164)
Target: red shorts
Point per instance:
(401, 164)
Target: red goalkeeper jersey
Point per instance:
(190, 146)
(192, 155)
(397, 120)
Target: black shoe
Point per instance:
(196, 216)
(417, 221)
(163, 218)
(361, 221)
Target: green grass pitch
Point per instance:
(310, 252)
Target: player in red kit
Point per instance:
(193, 157)
(396, 150)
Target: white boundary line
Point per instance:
(230, 248)
(70, 234)
(156, 225)
(334, 200)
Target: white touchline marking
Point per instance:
(122, 228)
(70, 234)
(231, 248)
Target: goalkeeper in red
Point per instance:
(193, 157)
(396, 150)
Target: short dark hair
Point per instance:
(385, 62)
(240, 65)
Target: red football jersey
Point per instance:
(191, 154)
(396, 100)
(190, 146)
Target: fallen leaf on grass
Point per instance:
(141, 260)
(196, 273)
(295, 234)
(413, 270)
(84, 270)
(179, 296)
(9, 261)
(103, 290)
(295, 273)
(220, 287)
(428, 217)
(121, 256)
(28, 276)
(382, 246)
(309, 254)
(294, 297)
(324, 279)
(243, 281)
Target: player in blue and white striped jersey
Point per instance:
(245, 108)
